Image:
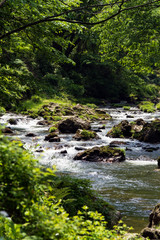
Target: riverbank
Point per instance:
(125, 185)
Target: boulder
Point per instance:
(123, 129)
(140, 130)
(12, 121)
(52, 137)
(149, 133)
(85, 135)
(153, 230)
(101, 154)
(71, 125)
(30, 135)
(7, 130)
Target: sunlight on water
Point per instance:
(132, 186)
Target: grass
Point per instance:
(32, 106)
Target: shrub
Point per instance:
(158, 106)
(147, 106)
(2, 111)
(27, 195)
(36, 99)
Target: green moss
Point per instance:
(126, 107)
(56, 118)
(52, 129)
(88, 134)
(117, 132)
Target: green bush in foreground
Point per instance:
(27, 195)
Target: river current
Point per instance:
(132, 186)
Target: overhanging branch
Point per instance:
(56, 17)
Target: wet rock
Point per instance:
(140, 130)
(129, 116)
(151, 233)
(7, 130)
(140, 121)
(40, 150)
(150, 149)
(149, 133)
(55, 139)
(52, 137)
(30, 135)
(71, 125)
(101, 154)
(153, 230)
(100, 111)
(123, 129)
(13, 121)
(80, 148)
(102, 127)
(64, 152)
(117, 143)
(43, 123)
(85, 135)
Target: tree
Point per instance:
(63, 10)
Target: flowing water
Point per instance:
(132, 186)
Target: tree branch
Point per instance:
(55, 17)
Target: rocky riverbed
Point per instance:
(132, 185)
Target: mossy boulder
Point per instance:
(140, 130)
(101, 154)
(121, 130)
(149, 133)
(153, 229)
(13, 121)
(52, 137)
(71, 125)
(85, 135)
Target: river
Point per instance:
(132, 186)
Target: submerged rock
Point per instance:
(85, 135)
(71, 125)
(101, 154)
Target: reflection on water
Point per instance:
(132, 186)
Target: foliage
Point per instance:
(52, 129)
(114, 60)
(158, 106)
(147, 106)
(2, 110)
(36, 99)
(27, 195)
